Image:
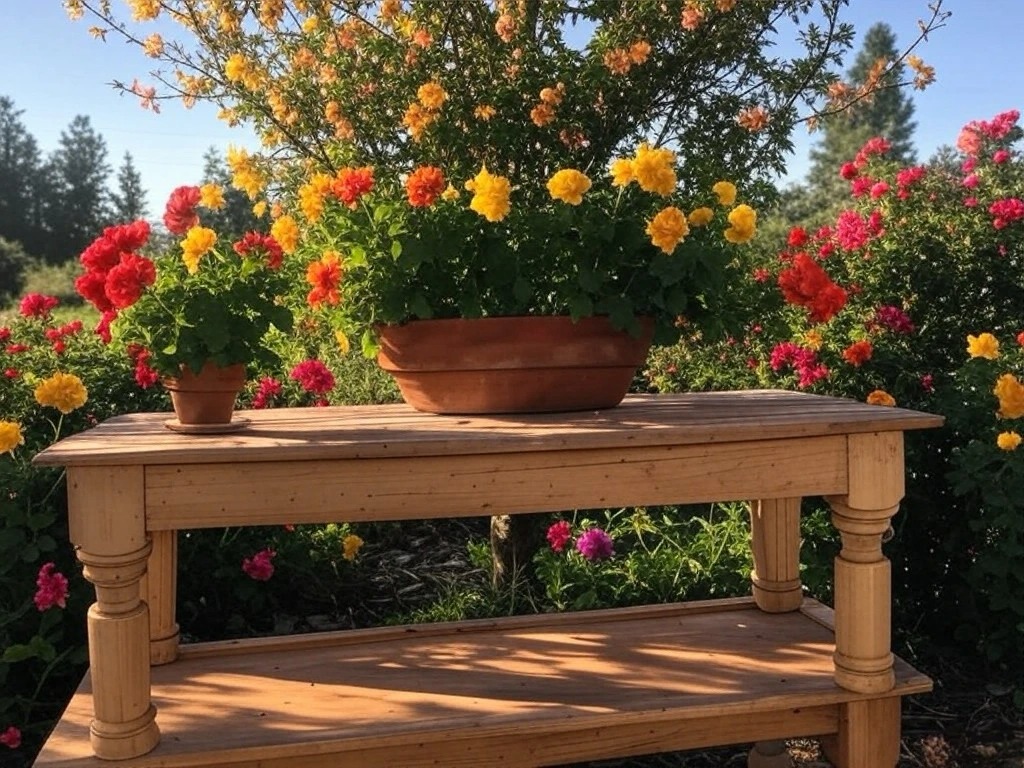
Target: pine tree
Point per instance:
(82, 201)
(19, 166)
(129, 202)
(887, 114)
(236, 217)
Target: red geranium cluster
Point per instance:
(180, 212)
(975, 132)
(803, 360)
(1006, 211)
(115, 275)
(256, 242)
(806, 284)
(37, 305)
(57, 335)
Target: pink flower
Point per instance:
(894, 319)
(861, 186)
(878, 189)
(11, 737)
(314, 376)
(849, 171)
(910, 176)
(928, 383)
(268, 389)
(259, 566)
(11, 373)
(559, 534)
(37, 305)
(971, 181)
(852, 231)
(971, 202)
(1006, 211)
(1000, 156)
(52, 588)
(595, 544)
(968, 165)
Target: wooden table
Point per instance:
(517, 691)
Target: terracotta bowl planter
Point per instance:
(512, 364)
(206, 399)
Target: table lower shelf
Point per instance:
(518, 691)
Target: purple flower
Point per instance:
(595, 544)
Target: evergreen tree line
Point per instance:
(53, 205)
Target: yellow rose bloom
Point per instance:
(211, 196)
(490, 195)
(668, 228)
(983, 345)
(654, 170)
(10, 436)
(1011, 396)
(63, 391)
(700, 217)
(286, 232)
(622, 172)
(351, 545)
(743, 219)
(813, 340)
(881, 397)
(198, 242)
(1008, 441)
(568, 185)
(726, 192)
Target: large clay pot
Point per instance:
(206, 399)
(512, 364)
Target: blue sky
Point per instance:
(54, 70)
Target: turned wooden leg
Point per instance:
(107, 524)
(769, 754)
(868, 737)
(863, 659)
(159, 589)
(775, 543)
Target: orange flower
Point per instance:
(424, 185)
(352, 183)
(324, 276)
(881, 397)
(858, 353)
(693, 16)
(639, 51)
(753, 119)
(618, 61)
(542, 114)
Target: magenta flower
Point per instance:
(52, 588)
(595, 544)
(314, 376)
(259, 566)
(559, 534)
(11, 737)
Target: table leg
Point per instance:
(863, 658)
(868, 737)
(160, 589)
(107, 525)
(775, 543)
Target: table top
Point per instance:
(376, 431)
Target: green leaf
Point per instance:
(580, 305)
(396, 248)
(18, 652)
(369, 344)
(356, 256)
(419, 307)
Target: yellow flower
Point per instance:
(1008, 441)
(568, 185)
(743, 219)
(10, 436)
(726, 192)
(259, 209)
(286, 232)
(153, 46)
(1011, 396)
(622, 172)
(211, 196)
(431, 95)
(450, 193)
(484, 112)
(144, 10)
(351, 545)
(654, 169)
(312, 195)
(63, 391)
(343, 344)
(244, 173)
(881, 397)
(197, 243)
(700, 217)
(813, 340)
(983, 345)
(490, 195)
(668, 228)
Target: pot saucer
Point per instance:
(235, 425)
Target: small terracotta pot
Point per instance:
(512, 364)
(207, 397)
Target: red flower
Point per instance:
(145, 376)
(103, 326)
(12, 373)
(352, 183)
(14, 349)
(806, 284)
(797, 237)
(92, 286)
(858, 353)
(5, 334)
(128, 237)
(559, 534)
(11, 737)
(101, 255)
(37, 305)
(324, 276)
(180, 214)
(849, 171)
(52, 588)
(255, 241)
(314, 376)
(259, 566)
(424, 185)
(269, 388)
(1020, 338)
(126, 281)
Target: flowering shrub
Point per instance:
(190, 305)
(517, 107)
(920, 271)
